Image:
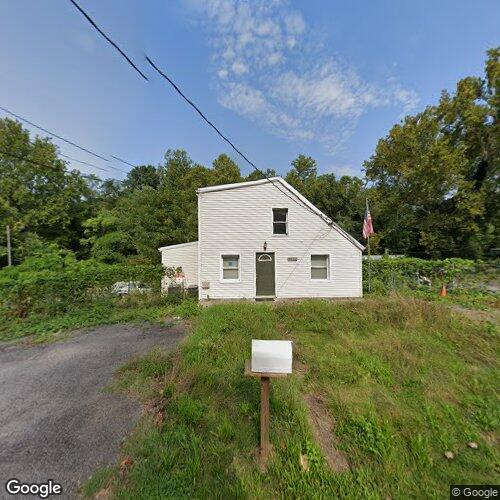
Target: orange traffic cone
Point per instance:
(443, 292)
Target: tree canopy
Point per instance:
(432, 183)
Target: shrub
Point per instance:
(52, 281)
(402, 274)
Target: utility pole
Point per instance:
(9, 255)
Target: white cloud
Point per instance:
(326, 91)
(238, 68)
(295, 23)
(408, 98)
(222, 73)
(252, 103)
(341, 170)
(266, 74)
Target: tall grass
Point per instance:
(403, 382)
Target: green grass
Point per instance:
(469, 299)
(402, 380)
(42, 328)
(137, 377)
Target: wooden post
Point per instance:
(265, 386)
(264, 418)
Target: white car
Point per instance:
(126, 287)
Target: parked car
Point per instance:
(126, 287)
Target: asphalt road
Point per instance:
(56, 420)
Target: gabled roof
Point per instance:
(281, 183)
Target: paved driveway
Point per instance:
(56, 421)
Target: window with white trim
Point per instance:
(230, 267)
(280, 220)
(320, 267)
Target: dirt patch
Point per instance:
(322, 425)
(492, 316)
(300, 369)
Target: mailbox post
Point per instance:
(270, 359)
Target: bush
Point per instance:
(53, 281)
(389, 275)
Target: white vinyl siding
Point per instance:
(239, 220)
(320, 267)
(184, 255)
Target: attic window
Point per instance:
(280, 220)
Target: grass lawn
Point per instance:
(382, 389)
(44, 328)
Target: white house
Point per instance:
(263, 239)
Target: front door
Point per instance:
(265, 285)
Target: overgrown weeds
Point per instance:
(110, 310)
(403, 382)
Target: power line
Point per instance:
(197, 109)
(227, 140)
(92, 22)
(53, 134)
(23, 158)
(92, 165)
(82, 162)
(123, 161)
(82, 148)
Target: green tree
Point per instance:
(168, 214)
(343, 200)
(254, 175)
(302, 173)
(225, 170)
(38, 195)
(436, 175)
(140, 176)
(107, 243)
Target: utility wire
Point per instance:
(93, 153)
(53, 134)
(296, 200)
(227, 140)
(92, 22)
(123, 161)
(23, 158)
(82, 162)
(91, 164)
(197, 109)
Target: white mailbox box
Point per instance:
(271, 356)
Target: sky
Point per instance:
(325, 78)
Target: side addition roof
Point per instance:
(178, 245)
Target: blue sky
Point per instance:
(324, 78)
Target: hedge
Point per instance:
(55, 281)
(393, 274)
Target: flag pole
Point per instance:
(369, 267)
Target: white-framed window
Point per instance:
(320, 267)
(280, 221)
(230, 267)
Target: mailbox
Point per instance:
(271, 356)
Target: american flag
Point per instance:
(367, 223)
